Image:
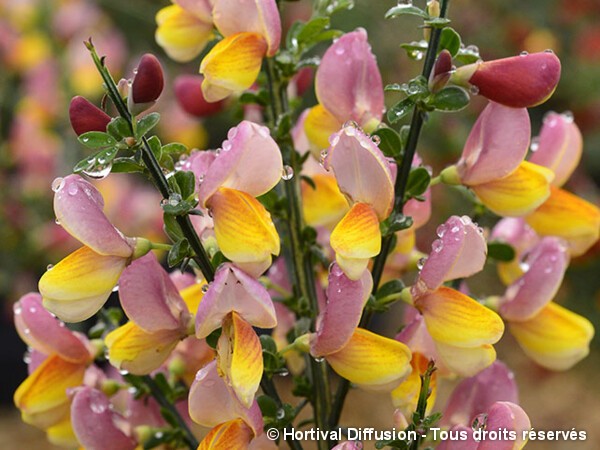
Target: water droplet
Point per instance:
(116, 288)
(56, 221)
(85, 139)
(376, 139)
(339, 50)
(350, 124)
(287, 173)
(437, 245)
(524, 266)
(535, 144)
(319, 359)
(441, 230)
(226, 146)
(473, 90)
(480, 230)
(472, 49)
(479, 422)
(404, 3)
(232, 133)
(284, 373)
(218, 151)
(17, 309)
(205, 288)
(466, 220)
(72, 190)
(524, 53)
(200, 179)
(280, 414)
(418, 55)
(263, 131)
(58, 184)
(27, 331)
(27, 358)
(158, 435)
(548, 50)
(123, 372)
(98, 172)
(412, 89)
(421, 262)
(324, 154)
(568, 116)
(135, 71)
(454, 229)
(32, 309)
(49, 266)
(97, 407)
(333, 140)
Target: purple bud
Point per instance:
(86, 117)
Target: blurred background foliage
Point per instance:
(43, 63)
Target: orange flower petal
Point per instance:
(406, 395)
(318, 126)
(356, 239)
(232, 435)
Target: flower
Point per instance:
(520, 81)
(147, 84)
(251, 31)
(348, 87)
(364, 176)
(243, 227)
(492, 163)
(78, 286)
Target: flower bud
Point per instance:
(190, 97)
(147, 84)
(441, 71)
(86, 117)
(520, 81)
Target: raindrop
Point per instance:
(116, 288)
(466, 220)
(280, 414)
(567, 116)
(351, 124)
(333, 140)
(421, 262)
(437, 245)
(17, 309)
(226, 146)
(376, 139)
(49, 266)
(205, 288)
(441, 230)
(324, 154)
(218, 151)
(158, 435)
(473, 90)
(284, 373)
(287, 173)
(72, 190)
(480, 230)
(135, 71)
(57, 222)
(123, 372)
(524, 53)
(405, 3)
(27, 331)
(418, 55)
(232, 133)
(27, 358)
(524, 266)
(548, 50)
(58, 184)
(98, 172)
(320, 359)
(97, 408)
(535, 144)
(339, 50)
(472, 49)
(85, 139)
(32, 309)
(479, 422)
(454, 229)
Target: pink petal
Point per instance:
(475, 395)
(348, 83)
(496, 145)
(520, 81)
(516, 232)
(416, 336)
(182, 280)
(208, 390)
(345, 302)
(45, 333)
(348, 445)
(459, 252)
(200, 8)
(256, 16)
(199, 162)
(537, 287)
(234, 290)
(362, 172)
(95, 423)
(505, 416)
(78, 207)
(560, 146)
(149, 297)
(250, 161)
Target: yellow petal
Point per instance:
(356, 239)
(42, 397)
(323, 205)
(243, 227)
(77, 287)
(137, 351)
(454, 319)
(567, 216)
(182, 35)
(406, 395)
(372, 361)
(62, 434)
(192, 296)
(232, 65)
(556, 338)
(240, 357)
(466, 362)
(518, 193)
(318, 126)
(232, 435)
(509, 272)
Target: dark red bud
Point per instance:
(304, 79)
(189, 96)
(86, 116)
(148, 82)
(441, 71)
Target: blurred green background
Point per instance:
(43, 64)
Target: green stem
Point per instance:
(421, 410)
(201, 257)
(300, 266)
(400, 191)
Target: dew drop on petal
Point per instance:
(232, 133)
(56, 221)
(287, 173)
(524, 266)
(473, 90)
(97, 407)
(535, 144)
(567, 116)
(548, 50)
(524, 53)
(58, 184)
(280, 414)
(98, 172)
(437, 245)
(17, 309)
(376, 139)
(226, 146)
(49, 266)
(421, 262)
(454, 229)
(351, 124)
(205, 288)
(441, 230)
(333, 140)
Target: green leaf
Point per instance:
(259, 98)
(97, 139)
(267, 343)
(312, 29)
(449, 40)
(400, 110)
(119, 128)
(309, 181)
(174, 147)
(176, 205)
(155, 146)
(436, 22)
(395, 222)
(172, 228)
(146, 123)
(177, 253)
(213, 337)
(468, 54)
(126, 165)
(416, 49)
(390, 143)
(98, 162)
(407, 9)
(267, 406)
(451, 98)
(186, 182)
(418, 181)
(501, 251)
(390, 288)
